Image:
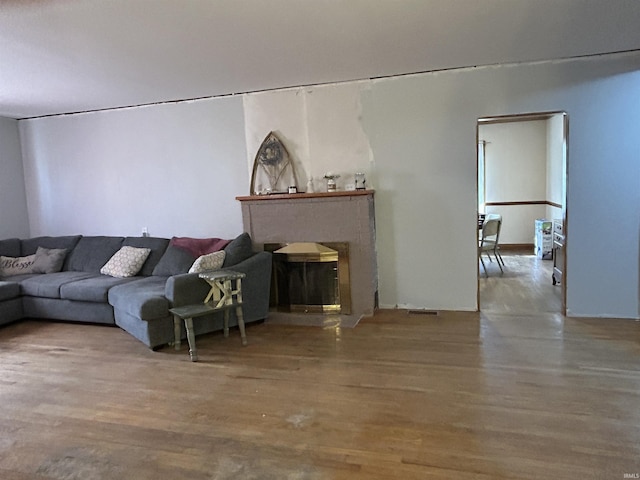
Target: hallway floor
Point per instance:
(525, 286)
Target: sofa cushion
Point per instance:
(174, 261)
(49, 285)
(92, 289)
(49, 260)
(126, 262)
(238, 250)
(16, 265)
(29, 246)
(157, 245)
(19, 278)
(9, 290)
(10, 247)
(143, 298)
(91, 253)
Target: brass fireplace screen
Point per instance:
(310, 277)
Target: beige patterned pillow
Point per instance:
(16, 265)
(126, 262)
(209, 262)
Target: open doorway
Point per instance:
(522, 170)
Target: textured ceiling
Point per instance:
(62, 56)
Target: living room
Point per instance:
(175, 165)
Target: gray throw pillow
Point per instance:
(49, 260)
(238, 250)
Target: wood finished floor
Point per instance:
(516, 392)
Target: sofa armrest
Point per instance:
(188, 288)
(185, 289)
(256, 286)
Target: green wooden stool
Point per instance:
(225, 293)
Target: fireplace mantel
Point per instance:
(342, 216)
(281, 196)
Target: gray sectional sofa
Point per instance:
(138, 304)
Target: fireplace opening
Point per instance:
(310, 277)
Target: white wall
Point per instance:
(555, 165)
(321, 127)
(14, 221)
(175, 169)
(516, 171)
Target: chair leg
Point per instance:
(495, 253)
(483, 266)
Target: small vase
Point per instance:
(331, 185)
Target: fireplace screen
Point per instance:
(310, 278)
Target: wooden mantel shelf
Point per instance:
(287, 196)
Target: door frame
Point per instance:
(527, 117)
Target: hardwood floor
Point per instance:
(516, 392)
(525, 286)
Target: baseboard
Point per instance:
(516, 246)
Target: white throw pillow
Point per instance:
(126, 262)
(16, 265)
(208, 262)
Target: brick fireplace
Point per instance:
(325, 218)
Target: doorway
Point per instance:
(522, 177)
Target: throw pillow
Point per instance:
(16, 265)
(126, 262)
(157, 245)
(209, 262)
(238, 250)
(49, 260)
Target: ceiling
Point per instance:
(63, 56)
